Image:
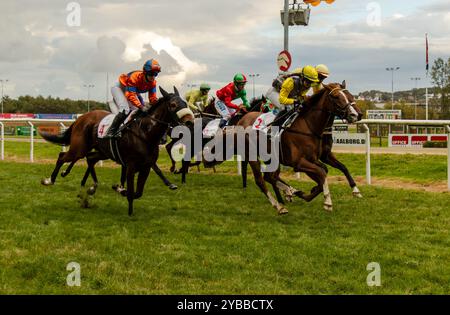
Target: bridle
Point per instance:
(342, 109)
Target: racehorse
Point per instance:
(211, 114)
(136, 150)
(327, 157)
(300, 145)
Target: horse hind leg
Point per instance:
(256, 168)
(63, 157)
(317, 174)
(68, 170)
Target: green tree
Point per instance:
(440, 75)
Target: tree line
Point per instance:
(49, 105)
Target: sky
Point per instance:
(47, 48)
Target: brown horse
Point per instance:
(211, 114)
(300, 145)
(137, 150)
(327, 157)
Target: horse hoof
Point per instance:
(123, 192)
(91, 191)
(64, 174)
(46, 182)
(357, 195)
(173, 187)
(283, 211)
(328, 208)
(172, 169)
(115, 186)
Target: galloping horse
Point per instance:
(137, 150)
(327, 156)
(300, 145)
(211, 114)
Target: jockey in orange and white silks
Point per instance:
(126, 93)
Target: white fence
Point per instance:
(440, 123)
(365, 123)
(31, 122)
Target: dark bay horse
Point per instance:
(301, 144)
(137, 150)
(208, 115)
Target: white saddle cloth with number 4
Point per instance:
(106, 123)
(263, 121)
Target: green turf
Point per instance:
(423, 169)
(211, 237)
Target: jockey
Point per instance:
(228, 93)
(196, 96)
(294, 89)
(126, 93)
(323, 73)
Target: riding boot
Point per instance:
(223, 123)
(118, 120)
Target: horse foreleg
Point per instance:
(142, 178)
(244, 165)
(272, 178)
(331, 160)
(169, 147)
(317, 174)
(256, 168)
(130, 187)
(163, 178)
(184, 170)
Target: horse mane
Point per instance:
(150, 109)
(314, 99)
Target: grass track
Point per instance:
(211, 237)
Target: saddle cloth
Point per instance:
(263, 121)
(106, 123)
(211, 128)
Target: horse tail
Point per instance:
(61, 139)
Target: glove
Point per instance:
(298, 104)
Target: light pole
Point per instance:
(3, 82)
(392, 69)
(415, 96)
(89, 86)
(253, 75)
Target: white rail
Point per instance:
(31, 122)
(441, 123)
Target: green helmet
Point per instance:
(239, 78)
(205, 86)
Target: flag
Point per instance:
(426, 43)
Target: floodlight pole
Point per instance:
(286, 25)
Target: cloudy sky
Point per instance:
(44, 51)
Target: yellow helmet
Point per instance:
(297, 71)
(310, 73)
(323, 70)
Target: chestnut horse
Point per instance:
(137, 150)
(301, 144)
(327, 157)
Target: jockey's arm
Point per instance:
(191, 102)
(133, 97)
(229, 104)
(286, 89)
(152, 97)
(244, 99)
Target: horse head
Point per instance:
(343, 102)
(177, 107)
